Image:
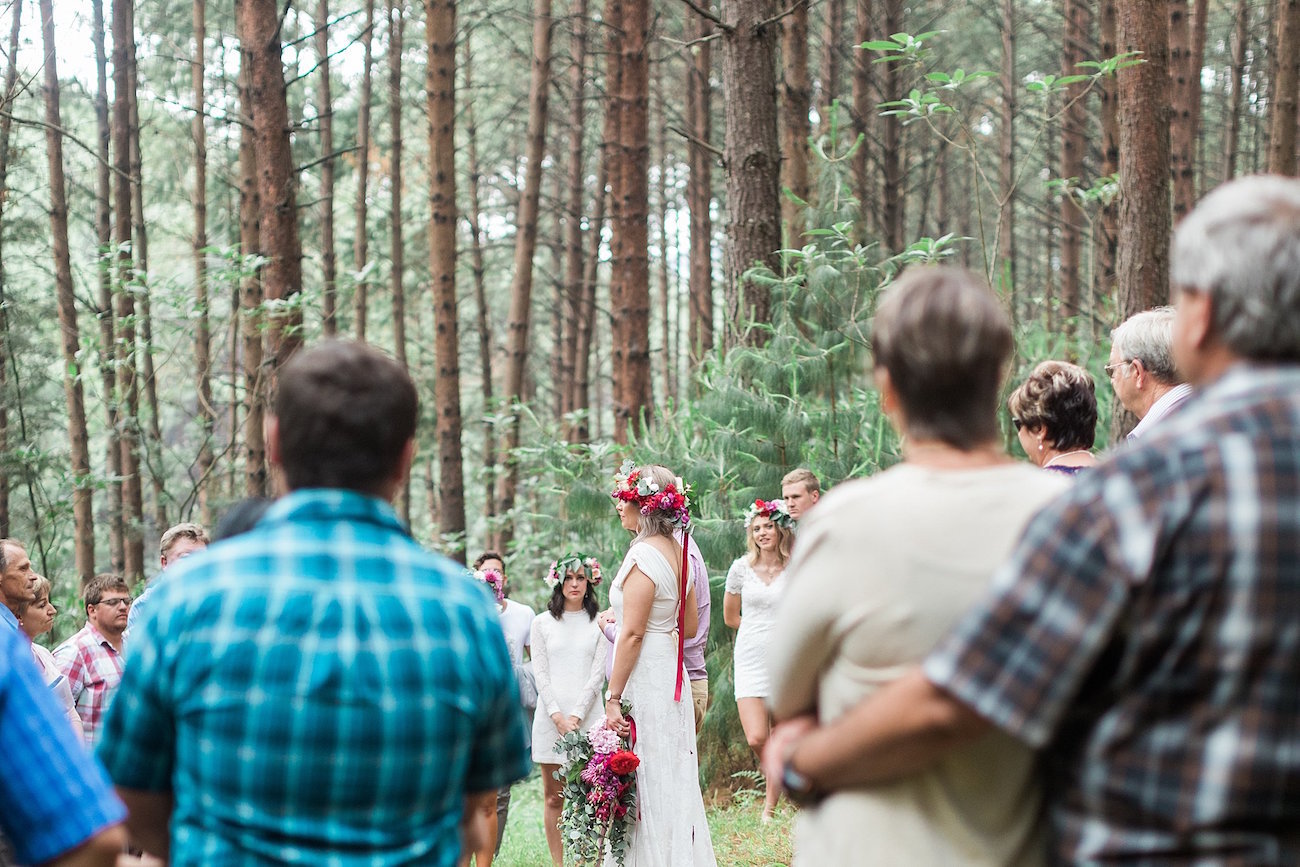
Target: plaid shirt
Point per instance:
(93, 668)
(1144, 635)
(53, 795)
(317, 691)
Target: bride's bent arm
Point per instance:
(638, 597)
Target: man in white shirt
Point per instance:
(1142, 368)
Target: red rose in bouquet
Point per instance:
(623, 762)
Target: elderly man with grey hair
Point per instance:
(1142, 636)
(1142, 369)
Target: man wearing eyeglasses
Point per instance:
(91, 660)
(1142, 370)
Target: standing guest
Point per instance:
(569, 655)
(36, 620)
(888, 564)
(516, 621)
(56, 806)
(175, 545)
(1142, 369)
(320, 689)
(17, 582)
(1142, 635)
(1055, 415)
(800, 490)
(755, 584)
(91, 659)
(654, 602)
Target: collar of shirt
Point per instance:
(1167, 403)
(332, 504)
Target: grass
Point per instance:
(740, 839)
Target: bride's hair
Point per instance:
(657, 522)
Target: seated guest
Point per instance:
(36, 619)
(1055, 414)
(885, 567)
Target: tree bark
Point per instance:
(629, 203)
(6, 354)
(891, 148)
(250, 245)
(397, 250)
(259, 29)
(1007, 155)
(325, 116)
(1286, 90)
(1185, 87)
(796, 129)
(1240, 19)
(699, 187)
(587, 312)
(203, 331)
(751, 155)
(1108, 222)
(1144, 158)
(440, 84)
(360, 242)
(573, 234)
(521, 286)
(832, 58)
(127, 382)
(78, 441)
(863, 115)
(667, 387)
(1074, 117)
(1200, 12)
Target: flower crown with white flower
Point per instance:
(495, 580)
(571, 562)
(673, 499)
(774, 509)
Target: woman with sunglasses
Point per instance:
(1055, 414)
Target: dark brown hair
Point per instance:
(346, 411)
(1061, 398)
(944, 339)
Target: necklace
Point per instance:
(766, 571)
(1066, 455)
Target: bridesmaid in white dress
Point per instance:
(755, 585)
(654, 615)
(569, 653)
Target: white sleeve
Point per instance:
(595, 677)
(542, 666)
(736, 577)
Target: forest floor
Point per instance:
(739, 838)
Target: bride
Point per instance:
(655, 612)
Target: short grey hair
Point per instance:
(1149, 335)
(1241, 247)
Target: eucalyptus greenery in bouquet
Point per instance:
(598, 781)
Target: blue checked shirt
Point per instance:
(318, 691)
(1145, 635)
(53, 795)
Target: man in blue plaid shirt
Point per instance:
(320, 690)
(1144, 634)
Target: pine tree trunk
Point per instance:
(259, 30)
(1200, 12)
(106, 314)
(573, 235)
(203, 331)
(360, 242)
(1286, 90)
(1007, 157)
(1108, 221)
(521, 286)
(864, 118)
(440, 84)
(78, 441)
(1074, 117)
(325, 116)
(479, 271)
(397, 251)
(1240, 20)
(1185, 86)
(629, 205)
(6, 355)
(891, 148)
(582, 401)
(127, 382)
(832, 58)
(1144, 158)
(796, 99)
(752, 154)
(250, 245)
(699, 187)
(666, 388)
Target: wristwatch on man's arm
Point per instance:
(796, 785)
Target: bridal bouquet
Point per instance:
(598, 780)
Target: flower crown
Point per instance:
(495, 580)
(673, 499)
(774, 509)
(571, 562)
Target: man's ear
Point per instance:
(1197, 321)
(1140, 375)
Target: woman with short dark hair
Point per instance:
(1055, 414)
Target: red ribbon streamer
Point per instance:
(681, 616)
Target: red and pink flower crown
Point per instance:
(777, 510)
(495, 580)
(673, 499)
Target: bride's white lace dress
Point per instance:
(671, 830)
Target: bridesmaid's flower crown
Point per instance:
(774, 509)
(495, 580)
(673, 499)
(571, 562)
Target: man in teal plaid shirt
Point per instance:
(320, 690)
